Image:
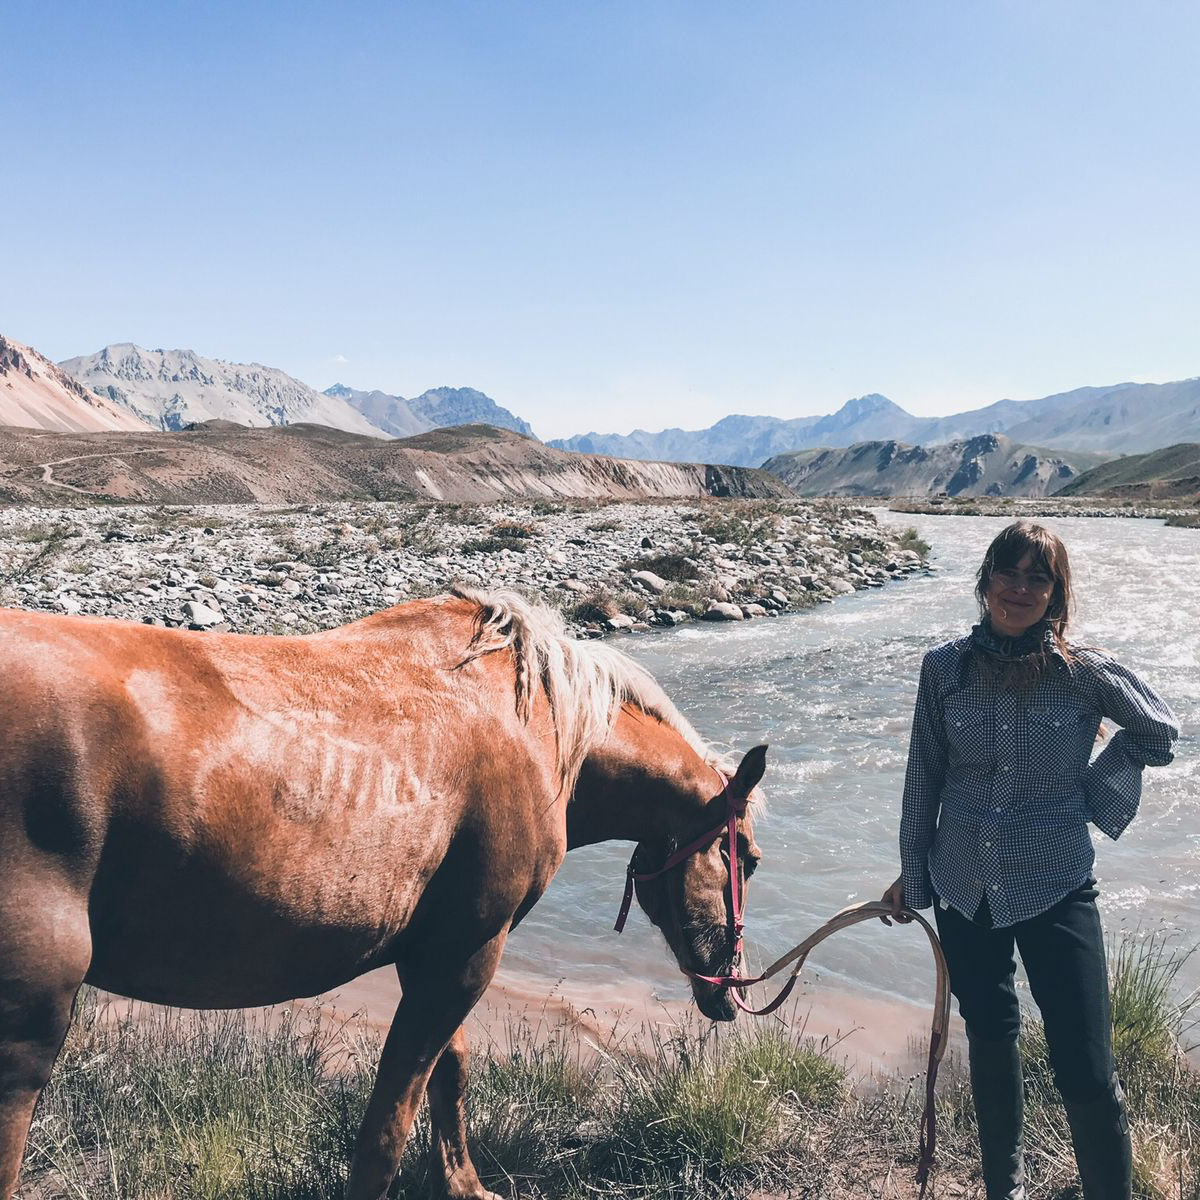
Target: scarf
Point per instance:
(1036, 639)
(1012, 663)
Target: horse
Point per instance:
(225, 820)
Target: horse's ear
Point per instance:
(750, 771)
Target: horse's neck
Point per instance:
(643, 783)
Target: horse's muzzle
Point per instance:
(714, 1002)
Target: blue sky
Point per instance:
(613, 214)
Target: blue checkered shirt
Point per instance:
(999, 790)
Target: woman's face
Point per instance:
(1017, 597)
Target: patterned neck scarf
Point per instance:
(1037, 639)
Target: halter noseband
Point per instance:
(734, 810)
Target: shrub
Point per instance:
(910, 539)
(671, 566)
(514, 529)
(492, 545)
(592, 608)
(749, 530)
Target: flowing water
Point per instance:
(831, 690)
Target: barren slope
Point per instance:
(36, 394)
(219, 462)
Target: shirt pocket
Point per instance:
(969, 734)
(1054, 739)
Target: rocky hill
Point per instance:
(1173, 472)
(219, 462)
(987, 465)
(432, 409)
(1123, 417)
(36, 394)
(170, 389)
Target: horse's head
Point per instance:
(692, 902)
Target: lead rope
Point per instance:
(927, 1139)
(796, 956)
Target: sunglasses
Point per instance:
(1035, 581)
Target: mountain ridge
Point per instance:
(1170, 472)
(1118, 417)
(169, 389)
(989, 464)
(434, 408)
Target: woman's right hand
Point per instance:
(894, 899)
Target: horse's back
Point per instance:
(271, 808)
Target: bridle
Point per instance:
(795, 958)
(735, 809)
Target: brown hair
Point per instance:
(1048, 554)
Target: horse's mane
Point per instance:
(586, 682)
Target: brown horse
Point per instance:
(224, 821)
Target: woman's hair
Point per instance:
(1047, 554)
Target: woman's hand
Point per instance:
(894, 899)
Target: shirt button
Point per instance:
(995, 887)
(1006, 767)
(997, 809)
(1057, 724)
(958, 724)
(987, 845)
(1004, 728)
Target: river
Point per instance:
(831, 690)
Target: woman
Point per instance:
(997, 797)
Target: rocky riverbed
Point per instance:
(608, 567)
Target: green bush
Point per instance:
(674, 566)
(910, 539)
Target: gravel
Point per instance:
(611, 567)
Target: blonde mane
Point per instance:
(586, 682)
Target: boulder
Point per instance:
(650, 581)
(200, 616)
(753, 610)
(719, 611)
(620, 621)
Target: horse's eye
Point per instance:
(749, 861)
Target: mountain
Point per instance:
(392, 414)
(434, 409)
(1121, 417)
(1127, 418)
(746, 441)
(218, 462)
(35, 394)
(987, 465)
(1162, 474)
(173, 388)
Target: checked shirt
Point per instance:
(999, 790)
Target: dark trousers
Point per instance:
(1063, 953)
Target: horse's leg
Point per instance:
(45, 947)
(437, 997)
(447, 1087)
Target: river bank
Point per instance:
(1173, 512)
(607, 567)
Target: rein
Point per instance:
(797, 955)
